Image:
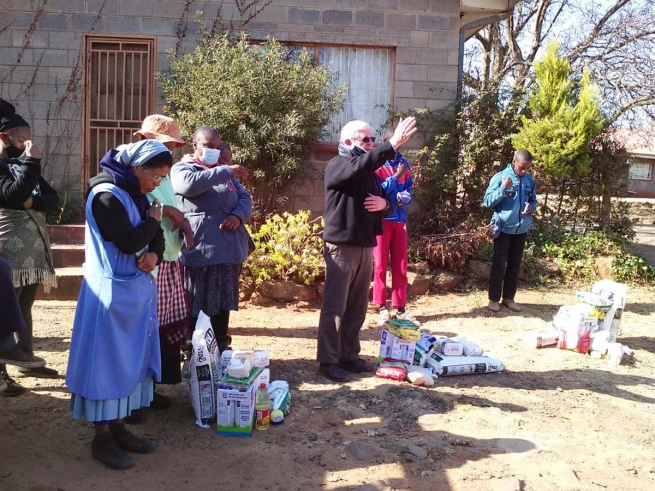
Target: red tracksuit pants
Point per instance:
(392, 241)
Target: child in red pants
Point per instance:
(397, 183)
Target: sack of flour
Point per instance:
(203, 377)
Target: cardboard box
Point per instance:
(393, 348)
(235, 403)
(235, 409)
(571, 317)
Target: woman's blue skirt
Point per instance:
(109, 409)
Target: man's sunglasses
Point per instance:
(366, 139)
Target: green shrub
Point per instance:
(575, 254)
(268, 103)
(287, 247)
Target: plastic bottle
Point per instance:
(262, 408)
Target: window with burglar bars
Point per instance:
(641, 171)
(368, 74)
(119, 94)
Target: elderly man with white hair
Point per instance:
(354, 206)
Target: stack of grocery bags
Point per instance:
(224, 385)
(421, 358)
(590, 326)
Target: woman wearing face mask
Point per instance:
(216, 206)
(25, 197)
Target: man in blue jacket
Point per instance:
(512, 194)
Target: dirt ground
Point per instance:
(554, 420)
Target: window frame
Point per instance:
(650, 170)
(320, 146)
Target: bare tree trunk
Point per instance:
(562, 190)
(606, 205)
(577, 205)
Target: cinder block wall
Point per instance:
(41, 56)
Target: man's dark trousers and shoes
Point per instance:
(345, 301)
(505, 266)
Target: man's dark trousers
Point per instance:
(505, 266)
(348, 272)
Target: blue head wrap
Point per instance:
(137, 154)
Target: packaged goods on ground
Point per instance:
(427, 344)
(241, 363)
(277, 417)
(617, 293)
(202, 381)
(403, 329)
(593, 299)
(469, 348)
(240, 382)
(419, 376)
(430, 357)
(394, 348)
(576, 316)
(392, 370)
(547, 336)
(225, 358)
(280, 396)
(203, 374)
(235, 403)
(421, 356)
(599, 341)
(614, 354)
(261, 358)
(448, 347)
(571, 338)
(464, 365)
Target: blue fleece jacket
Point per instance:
(509, 203)
(395, 187)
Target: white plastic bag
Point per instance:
(419, 376)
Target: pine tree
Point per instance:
(565, 117)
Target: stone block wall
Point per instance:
(41, 58)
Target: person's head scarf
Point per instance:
(118, 161)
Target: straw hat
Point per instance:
(161, 128)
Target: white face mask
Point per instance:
(210, 156)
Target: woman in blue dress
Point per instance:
(114, 356)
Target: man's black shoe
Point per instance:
(357, 366)
(334, 372)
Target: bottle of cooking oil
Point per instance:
(262, 408)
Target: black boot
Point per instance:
(104, 449)
(129, 441)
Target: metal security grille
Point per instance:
(119, 93)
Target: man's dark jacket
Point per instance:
(349, 179)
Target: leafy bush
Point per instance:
(576, 255)
(267, 102)
(287, 247)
